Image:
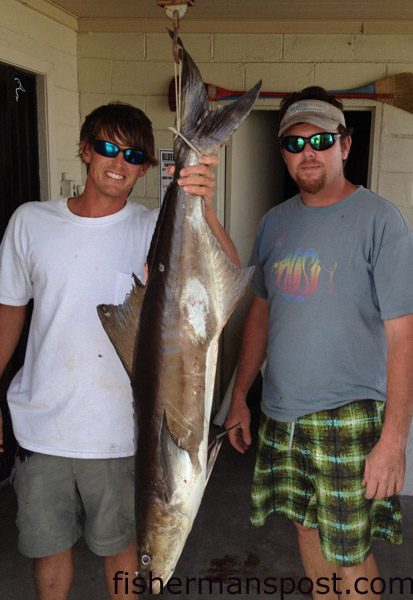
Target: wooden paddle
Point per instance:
(396, 90)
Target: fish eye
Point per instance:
(145, 560)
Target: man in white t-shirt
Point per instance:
(71, 403)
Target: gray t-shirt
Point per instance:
(331, 276)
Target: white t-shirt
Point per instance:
(72, 397)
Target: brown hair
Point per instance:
(123, 122)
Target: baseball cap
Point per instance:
(317, 112)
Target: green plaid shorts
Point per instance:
(311, 472)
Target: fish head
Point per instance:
(161, 543)
(166, 508)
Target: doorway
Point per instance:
(19, 153)
(20, 182)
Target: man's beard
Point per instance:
(314, 184)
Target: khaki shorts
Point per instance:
(59, 499)
(311, 472)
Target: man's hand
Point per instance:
(199, 179)
(252, 355)
(384, 471)
(386, 464)
(239, 437)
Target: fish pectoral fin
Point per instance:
(231, 283)
(121, 323)
(175, 461)
(234, 289)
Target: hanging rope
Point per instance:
(176, 10)
(177, 69)
(179, 134)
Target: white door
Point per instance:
(254, 183)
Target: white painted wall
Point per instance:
(131, 61)
(137, 67)
(35, 42)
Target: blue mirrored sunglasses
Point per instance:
(134, 156)
(318, 141)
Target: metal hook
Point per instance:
(19, 88)
(220, 435)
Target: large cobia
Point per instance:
(166, 334)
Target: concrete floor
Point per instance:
(222, 545)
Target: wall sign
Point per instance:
(166, 159)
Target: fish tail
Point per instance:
(209, 129)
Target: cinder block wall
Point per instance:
(136, 67)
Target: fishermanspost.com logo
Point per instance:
(282, 587)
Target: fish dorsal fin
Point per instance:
(231, 282)
(208, 130)
(121, 323)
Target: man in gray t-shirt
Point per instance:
(333, 316)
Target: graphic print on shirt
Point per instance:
(299, 274)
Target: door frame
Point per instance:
(45, 114)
